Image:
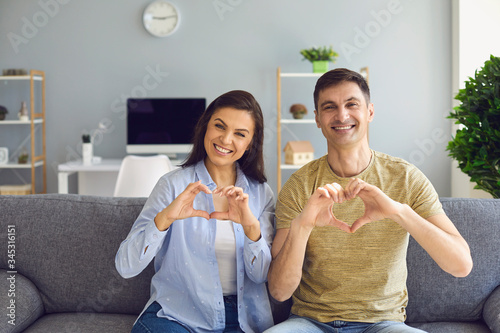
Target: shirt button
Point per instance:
(155, 236)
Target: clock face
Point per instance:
(161, 18)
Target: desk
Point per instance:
(93, 179)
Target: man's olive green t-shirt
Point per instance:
(358, 277)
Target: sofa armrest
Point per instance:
(491, 311)
(21, 299)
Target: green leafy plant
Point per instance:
(319, 53)
(476, 145)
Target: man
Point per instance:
(344, 222)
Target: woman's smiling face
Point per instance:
(229, 134)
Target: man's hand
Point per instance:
(318, 209)
(378, 205)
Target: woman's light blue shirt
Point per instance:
(186, 282)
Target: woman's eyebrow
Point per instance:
(238, 129)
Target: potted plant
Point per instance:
(320, 57)
(23, 156)
(298, 111)
(476, 145)
(3, 112)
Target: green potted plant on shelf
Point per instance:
(320, 57)
(476, 145)
(3, 112)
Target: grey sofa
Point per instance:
(64, 278)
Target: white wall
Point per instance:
(97, 53)
(476, 24)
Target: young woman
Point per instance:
(209, 227)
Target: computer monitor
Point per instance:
(162, 125)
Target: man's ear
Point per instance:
(316, 118)
(371, 112)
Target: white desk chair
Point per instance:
(139, 174)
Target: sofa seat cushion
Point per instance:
(491, 311)
(22, 304)
(83, 322)
(452, 327)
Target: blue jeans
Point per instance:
(149, 322)
(299, 324)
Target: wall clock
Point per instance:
(4, 155)
(161, 18)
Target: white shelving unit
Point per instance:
(363, 71)
(37, 117)
(280, 121)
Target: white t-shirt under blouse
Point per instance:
(225, 252)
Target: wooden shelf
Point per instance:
(20, 166)
(36, 117)
(301, 74)
(291, 166)
(36, 77)
(20, 122)
(281, 121)
(298, 121)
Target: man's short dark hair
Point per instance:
(337, 76)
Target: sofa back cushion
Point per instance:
(438, 296)
(66, 245)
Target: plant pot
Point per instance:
(2, 116)
(298, 115)
(320, 66)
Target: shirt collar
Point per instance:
(204, 176)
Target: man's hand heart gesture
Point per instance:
(319, 208)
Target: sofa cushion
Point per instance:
(83, 322)
(438, 296)
(23, 303)
(491, 312)
(453, 327)
(67, 245)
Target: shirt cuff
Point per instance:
(152, 233)
(254, 249)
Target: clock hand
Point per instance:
(163, 18)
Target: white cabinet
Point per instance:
(34, 129)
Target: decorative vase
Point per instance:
(320, 66)
(3, 112)
(23, 113)
(87, 153)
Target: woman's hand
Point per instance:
(238, 211)
(182, 207)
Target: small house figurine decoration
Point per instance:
(298, 152)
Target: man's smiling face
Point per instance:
(343, 114)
